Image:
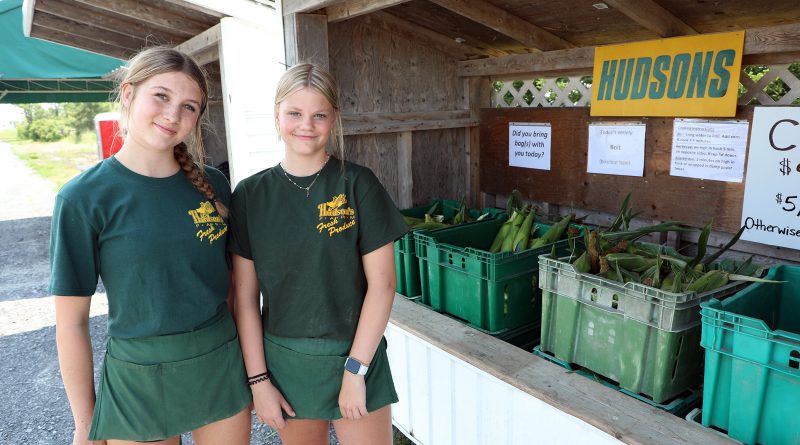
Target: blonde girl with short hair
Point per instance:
(151, 222)
(314, 235)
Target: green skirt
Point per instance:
(154, 388)
(308, 372)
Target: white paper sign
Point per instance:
(771, 208)
(616, 149)
(529, 145)
(709, 150)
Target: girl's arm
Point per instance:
(75, 360)
(381, 283)
(267, 399)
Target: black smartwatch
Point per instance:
(354, 366)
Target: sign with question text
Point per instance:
(616, 149)
(771, 208)
(529, 145)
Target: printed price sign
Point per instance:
(771, 209)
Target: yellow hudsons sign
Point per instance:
(681, 76)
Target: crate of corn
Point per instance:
(438, 214)
(630, 311)
(485, 274)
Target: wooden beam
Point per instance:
(355, 8)
(477, 95)
(305, 39)
(576, 60)
(252, 11)
(295, 6)
(56, 23)
(424, 36)
(372, 123)
(40, 32)
(504, 22)
(155, 17)
(652, 16)
(777, 43)
(204, 47)
(405, 174)
(103, 20)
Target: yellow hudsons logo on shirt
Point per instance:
(335, 217)
(210, 226)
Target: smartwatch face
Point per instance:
(351, 365)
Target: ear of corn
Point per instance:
(555, 232)
(520, 242)
(508, 242)
(712, 279)
(583, 264)
(502, 234)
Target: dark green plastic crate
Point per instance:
(752, 346)
(646, 339)
(405, 260)
(492, 291)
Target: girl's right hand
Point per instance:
(268, 402)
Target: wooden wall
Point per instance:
(381, 72)
(657, 194)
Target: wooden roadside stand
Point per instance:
(429, 88)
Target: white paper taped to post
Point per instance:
(771, 208)
(529, 145)
(616, 149)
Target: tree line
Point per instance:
(52, 122)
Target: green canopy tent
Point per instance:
(35, 71)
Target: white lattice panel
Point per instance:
(756, 89)
(544, 97)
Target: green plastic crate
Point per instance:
(646, 339)
(405, 260)
(752, 347)
(491, 291)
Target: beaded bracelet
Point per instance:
(258, 378)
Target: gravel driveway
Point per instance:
(33, 405)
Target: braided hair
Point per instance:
(190, 154)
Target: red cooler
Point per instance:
(109, 138)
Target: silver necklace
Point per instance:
(307, 189)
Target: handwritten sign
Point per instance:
(616, 149)
(529, 145)
(771, 208)
(709, 150)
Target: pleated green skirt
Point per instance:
(154, 388)
(308, 372)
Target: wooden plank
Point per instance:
(306, 39)
(105, 37)
(153, 16)
(400, 122)
(204, 47)
(439, 167)
(103, 20)
(617, 414)
(657, 194)
(405, 177)
(566, 61)
(477, 95)
(198, 6)
(506, 23)
(395, 25)
(774, 40)
(295, 6)
(379, 153)
(355, 8)
(653, 17)
(80, 42)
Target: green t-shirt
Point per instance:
(157, 243)
(307, 250)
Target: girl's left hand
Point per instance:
(353, 396)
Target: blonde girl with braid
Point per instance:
(151, 221)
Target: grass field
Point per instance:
(58, 162)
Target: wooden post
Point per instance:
(306, 39)
(476, 94)
(405, 177)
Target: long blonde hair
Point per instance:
(190, 154)
(308, 75)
